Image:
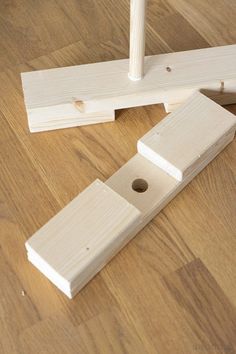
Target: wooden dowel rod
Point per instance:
(137, 39)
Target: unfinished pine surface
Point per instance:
(100, 221)
(187, 137)
(105, 86)
(183, 283)
(74, 245)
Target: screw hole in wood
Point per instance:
(139, 185)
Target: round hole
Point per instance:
(139, 185)
(168, 69)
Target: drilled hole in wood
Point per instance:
(139, 185)
(168, 69)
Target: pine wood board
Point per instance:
(103, 86)
(72, 247)
(178, 144)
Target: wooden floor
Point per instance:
(173, 288)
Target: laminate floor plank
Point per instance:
(208, 235)
(194, 291)
(210, 18)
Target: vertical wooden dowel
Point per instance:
(137, 39)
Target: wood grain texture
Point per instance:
(145, 300)
(100, 221)
(86, 234)
(188, 136)
(65, 117)
(105, 86)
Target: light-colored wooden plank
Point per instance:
(102, 219)
(74, 245)
(179, 143)
(105, 86)
(64, 117)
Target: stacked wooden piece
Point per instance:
(74, 245)
(88, 94)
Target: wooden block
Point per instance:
(188, 136)
(74, 245)
(169, 78)
(132, 179)
(64, 116)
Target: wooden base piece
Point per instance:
(81, 239)
(74, 245)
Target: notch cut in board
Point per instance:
(56, 95)
(88, 232)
